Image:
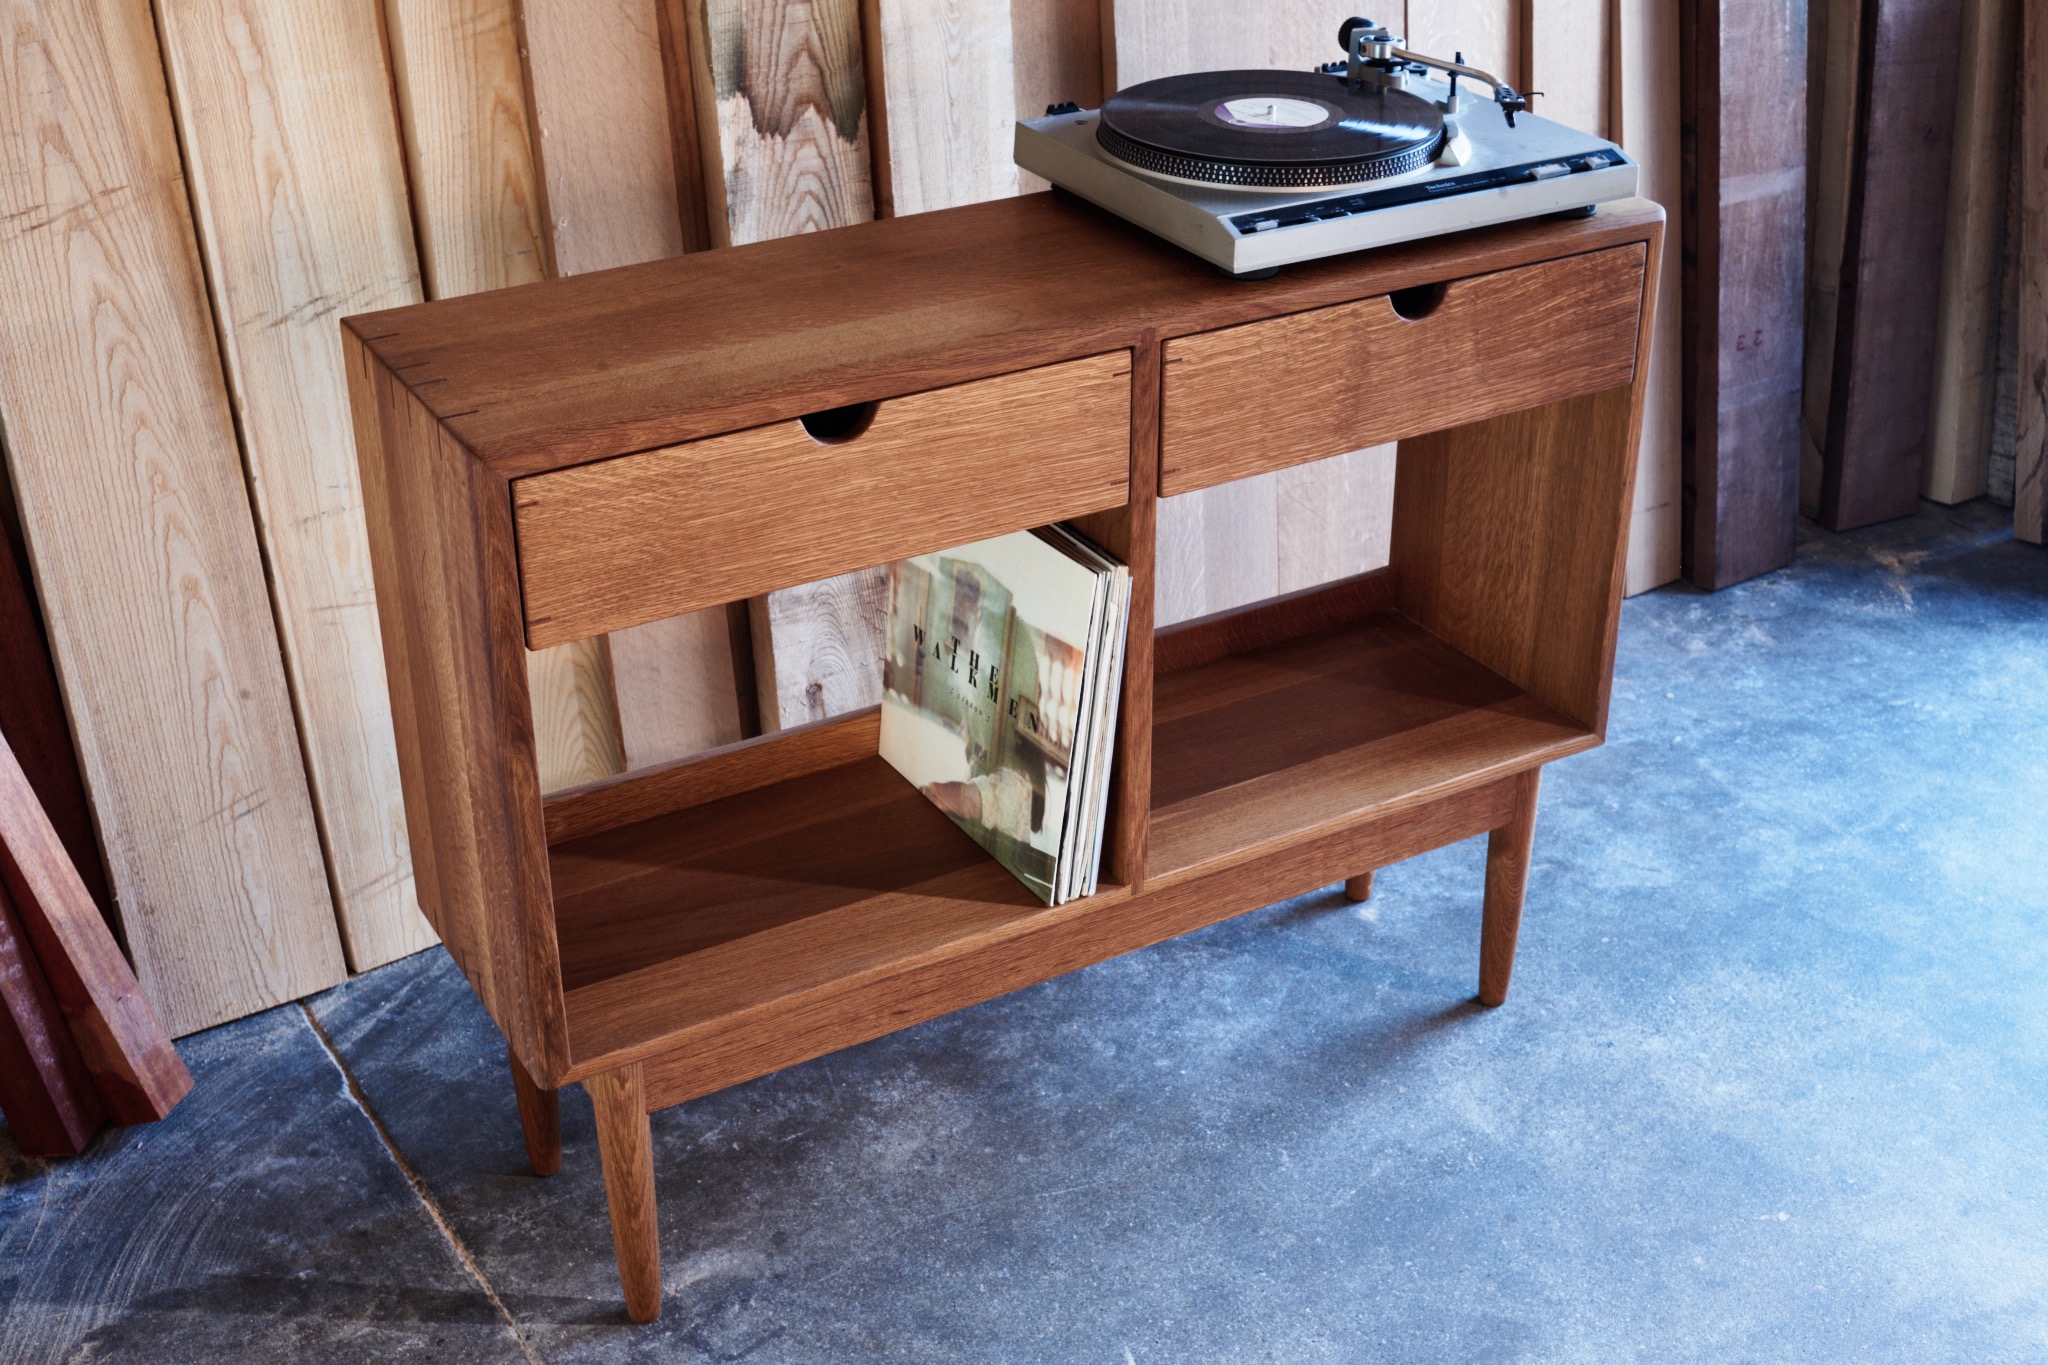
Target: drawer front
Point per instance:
(620, 542)
(1267, 395)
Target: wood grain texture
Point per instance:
(817, 647)
(1503, 532)
(782, 108)
(948, 95)
(47, 1097)
(743, 767)
(600, 115)
(1361, 374)
(1056, 53)
(1156, 38)
(1189, 644)
(599, 82)
(1491, 33)
(686, 140)
(1288, 530)
(757, 1003)
(626, 1146)
(1897, 218)
(298, 188)
(1648, 72)
(589, 367)
(1259, 751)
(131, 493)
(1973, 257)
(540, 1119)
(2030, 450)
(1571, 51)
(479, 213)
(133, 1065)
(33, 724)
(1745, 284)
(1507, 881)
(448, 596)
(1833, 95)
(597, 543)
(1129, 533)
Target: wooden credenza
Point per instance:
(546, 463)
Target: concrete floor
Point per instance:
(1773, 1085)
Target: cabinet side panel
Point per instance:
(448, 603)
(1504, 543)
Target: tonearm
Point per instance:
(1372, 60)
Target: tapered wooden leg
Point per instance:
(626, 1146)
(1358, 888)
(1507, 876)
(540, 1116)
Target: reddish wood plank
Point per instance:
(46, 1094)
(127, 1051)
(1744, 129)
(1891, 275)
(32, 721)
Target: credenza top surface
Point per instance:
(567, 371)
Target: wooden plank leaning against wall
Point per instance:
(123, 459)
(598, 80)
(476, 203)
(298, 192)
(1886, 302)
(1972, 273)
(2030, 460)
(1745, 276)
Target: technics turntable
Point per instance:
(1252, 170)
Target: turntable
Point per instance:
(1253, 170)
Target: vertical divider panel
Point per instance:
(1130, 533)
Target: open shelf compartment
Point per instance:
(1276, 725)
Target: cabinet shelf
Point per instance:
(1257, 751)
(834, 880)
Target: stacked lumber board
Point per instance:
(195, 193)
(1744, 233)
(1927, 146)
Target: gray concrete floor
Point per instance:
(1773, 1085)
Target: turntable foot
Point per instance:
(1584, 211)
(1268, 273)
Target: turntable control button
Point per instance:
(1549, 170)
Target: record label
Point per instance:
(1274, 111)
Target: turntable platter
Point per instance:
(1269, 129)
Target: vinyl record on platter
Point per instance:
(1269, 129)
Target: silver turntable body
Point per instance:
(1490, 167)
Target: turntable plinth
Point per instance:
(595, 452)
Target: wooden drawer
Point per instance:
(613, 544)
(1282, 392)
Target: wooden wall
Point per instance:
(193, 192)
